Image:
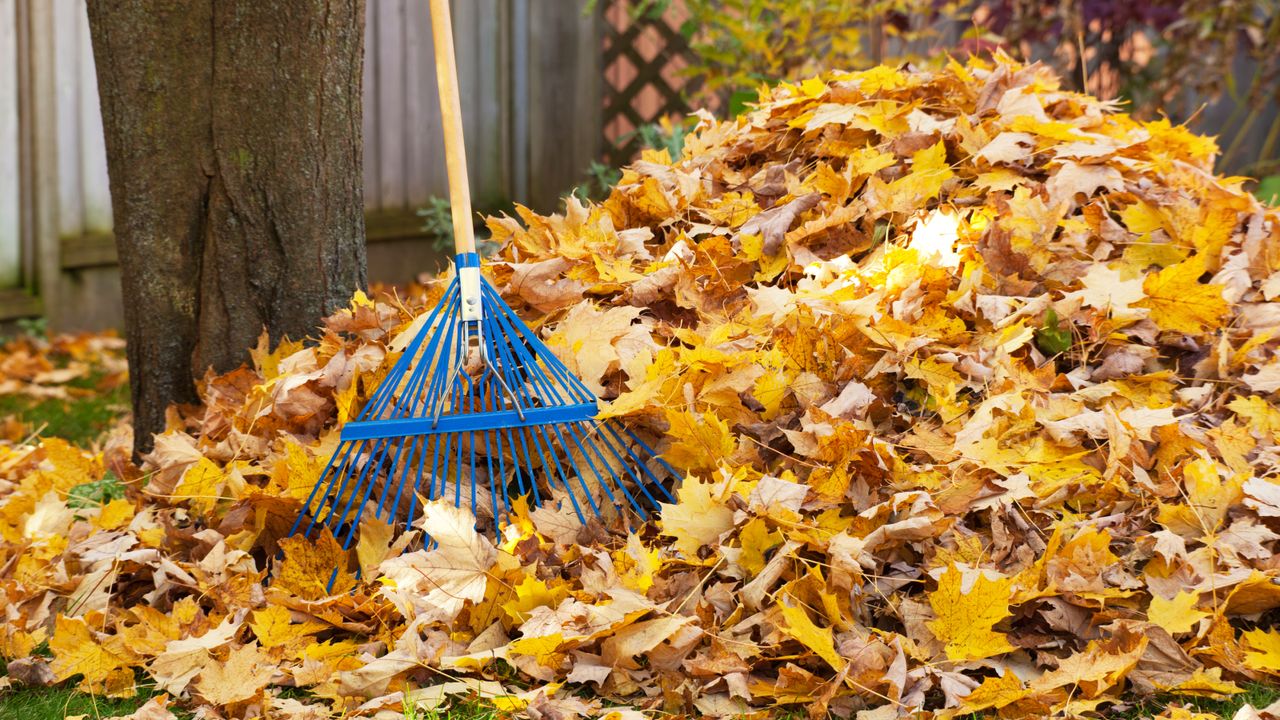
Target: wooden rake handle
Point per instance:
(455, 150)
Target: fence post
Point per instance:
(41, 219)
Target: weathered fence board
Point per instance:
(10, 234)
(404, 142)
(565, 97)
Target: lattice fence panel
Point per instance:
(643, 60)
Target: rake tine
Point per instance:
(564, 478)
(315, 489)
(328, 497)
(578, 470)
(522, 478)
(622, 487)
(656, 481)
(374, 460)
(638, 465)
(385, 393)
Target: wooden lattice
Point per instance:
(643, 59)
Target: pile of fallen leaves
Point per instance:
(972, 380)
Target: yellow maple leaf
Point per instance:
(637, 565)
(1205, 683)
(646, 393)
(374, 544)
(1262, 650)
(201, 485)
(699, 442)
(1179, 302)
(650, 199)
(697, 520)
(77, 652)
(545, 649)
(929, 170)
(994, 692)
(532, 593)
(454, 571)
(115, 514)
(756, 539)
(1261, 418)
(346, 401)
(274, 627)
(1209, 496)
(308, 567)
(296, 473)
(965, 619)
(267, 361)
(1101, 665)
(1141, 217)
(153, 629)
(70, 466)
(17, 643)
(770, 390)
(585, 339)
(1177, 614)
(800, 627)
(241, 677)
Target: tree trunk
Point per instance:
(234, 154)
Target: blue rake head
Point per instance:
(478, 410)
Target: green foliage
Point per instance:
(1053, 338)
(662, 135)
(438, 223)
(1256, 695)
(1268, 190)
(1162, 57)
(96, 493)
(465, 710)
(600, 179)
(741, 44)
(36, 327)
(665, 135)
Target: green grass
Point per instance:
(78, 420)
(463, 710)
(1258, 695)
(55, 703)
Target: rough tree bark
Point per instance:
(234, 154)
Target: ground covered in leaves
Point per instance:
(67, 386)
(973, 382)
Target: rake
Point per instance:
(477, 409)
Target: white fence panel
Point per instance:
(84, 200)
(10, 230)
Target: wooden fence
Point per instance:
(532, 117)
